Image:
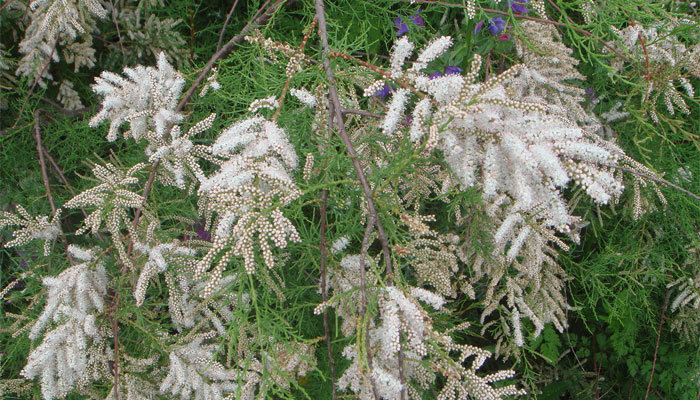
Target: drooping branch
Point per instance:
(338, 114)
(338, 110)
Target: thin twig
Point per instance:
(223, 29)
(116, 25)
(45, 176)
(380, 71)
(655, 179)
(333, 95)
(356, 164)
(58, 170)
(70, 113)
(261, 18)
(5, 5)
(658, 339)
(289, 78)
(324, 293)
(361, 112)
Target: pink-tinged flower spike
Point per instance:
(504, 37)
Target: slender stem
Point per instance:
(380, 71)
(658, 339)
(260, 18)
(70, 113)
(119, 34)
(361, 112)
(656, 179)
(289, 78)
(333, 95)
(374, 217)
(58, 170)
(223, 29)
(45, 176)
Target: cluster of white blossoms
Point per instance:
(74, 297)
(55, 30)
(522, 138)
(247, 193)
(548, 72)
(667, 59)
(158, 256)
(38, 227)
(50, 22)
(178, 156)
(112, 200)
(146, 99)
(403, 326)
(193, 370)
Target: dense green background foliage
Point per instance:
(621, 327)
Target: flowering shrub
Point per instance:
(456, 205)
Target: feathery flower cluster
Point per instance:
(432, 256)
(403, 325)
(669, 61)
(146, 99)
(247, 192)
(547, 72)
(112, 200)
(52, 22)
(38, 227)
(178, 155)
(193, 370)
(156, 263)
(512, 137)
(685, 302)
(73, 298)
(304, 96)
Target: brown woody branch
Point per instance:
(337, 109)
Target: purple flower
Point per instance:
(497, 24)
(202, 234)
(384, 91)
(451, 70)
(402, 27)
(478, 27)
(518, 6)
